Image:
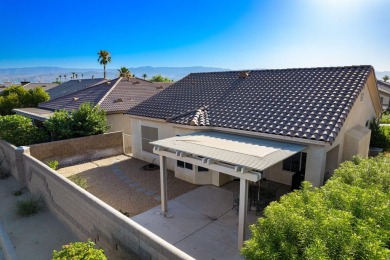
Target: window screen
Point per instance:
(149, 134)
(295, 163)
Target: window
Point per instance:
(182, 164)
(149, 134)
(202, 169)
(295, 163)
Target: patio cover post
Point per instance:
(243, 209)
(163, 182)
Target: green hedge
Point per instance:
(385, 118)
(348, 218)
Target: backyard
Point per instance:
(120, 182)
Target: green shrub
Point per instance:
(348, 218)
(79, 250)
(380, 135)
(87, 120)
(78, 180)
(27, 207)
(385, 118)
(52, 164)
(19, 130)
(19, 97)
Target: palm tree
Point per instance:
(144, 75)
(124, 72)
(82, 75)
(386, 78)
(76, 75)
(93, 76)
(104, 58)
(60, 76)
(64, 77)
(73, 73)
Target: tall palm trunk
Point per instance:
(104, 66)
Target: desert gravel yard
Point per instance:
(120, 182)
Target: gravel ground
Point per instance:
(119, 182)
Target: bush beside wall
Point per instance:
(348, 218)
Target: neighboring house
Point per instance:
(6, 85)
(284, 125)
(72, 86)
(29, 85)
(115, 97)
(384, 94)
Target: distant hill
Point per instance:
(50, 74)
(381, 74)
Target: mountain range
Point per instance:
(50, 74)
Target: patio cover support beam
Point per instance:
(213, 166)
(163, 182)
(243, 209)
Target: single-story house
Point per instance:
(72, 86)
(284, 125)
(384, 94)
(28, 85)
(114, 96)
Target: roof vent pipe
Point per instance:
(244, 74)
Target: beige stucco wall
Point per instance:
(121, 122)
(361, 112)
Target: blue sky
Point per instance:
(227, 34)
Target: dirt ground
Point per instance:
(119, 182)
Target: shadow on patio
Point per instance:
(202, 223)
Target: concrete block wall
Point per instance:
(11, 160)
(89, 217)
(86, 215)
(76, 150)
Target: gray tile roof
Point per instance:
(72, 86)
(309, 103)
(114, 96)
(129, 93)
(383, 86)
(45, 86)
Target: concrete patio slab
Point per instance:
(219, 201)
(203, 246)
(201, 222)
(176, 226)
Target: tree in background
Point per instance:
(386, 78)
(87, 120)
(64, 77)
(60, 76)
(19, 130)
(347, 218)
(160, 78)
(104, 58)
(124, 72)
(144, 75)
(73, 75)
(19, 97)
(59, 125)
